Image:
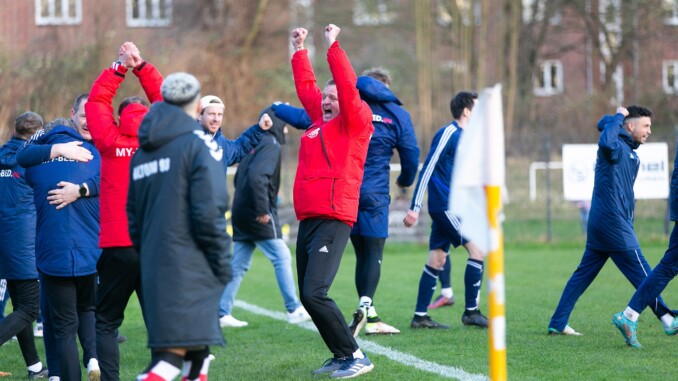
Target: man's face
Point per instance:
(211, 118)
(639, 128)
(78, 118)
(330, 103)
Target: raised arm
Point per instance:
(355, 113)
(610, 125)
(308, 91)
(294, 116)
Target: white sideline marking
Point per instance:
(369, 346)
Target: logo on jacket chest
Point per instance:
(9, 173)
(380, 119)
(312, 134)
(124, 152)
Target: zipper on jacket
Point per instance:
(327, 157)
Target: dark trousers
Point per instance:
(25, 295)
(70, 300)
(369, 252)
(119, 277)
(648, 292)
(320, 245)
(631, 263)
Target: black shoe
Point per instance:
(426, 322)
(474, 317)
(358, 322)
(121, 339)
(42, 373)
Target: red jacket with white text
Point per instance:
(116, 144)
(332, 154)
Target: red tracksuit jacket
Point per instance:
(332, 154)
(117, 144)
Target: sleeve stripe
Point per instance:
(428, 170)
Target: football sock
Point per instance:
(196, 364)
(447, 292)
(166, 366)
(427, 286)
(667, 320)
(473, 278)
(358, 354)
(365, 302)
(444, 276)
(35, 367)
(633, 315)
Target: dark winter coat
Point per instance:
(610, 226)
(256, 187)
(17, 217)
(176, 204)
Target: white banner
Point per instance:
(579, 163)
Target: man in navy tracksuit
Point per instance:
(436, 176)
(67, 241)
(392, 130)
(610, 231)
(17, 251)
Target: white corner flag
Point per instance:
(476, 199)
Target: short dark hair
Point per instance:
(380, 74)
(78, 100)
(129, 100)
(59, 122)
(27, 123)
(463, 99)
(330, 82)
(637, 112)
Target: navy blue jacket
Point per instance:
(17, 217)
(673, 196)
(392, 130)
(436, 174)
(67, 240)
(610, 225)
(236, 150)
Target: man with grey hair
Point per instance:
(176, 204)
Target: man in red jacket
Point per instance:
(118, 266)
(326, 191)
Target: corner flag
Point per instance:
(477, 182)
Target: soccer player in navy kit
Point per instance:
(436, 176)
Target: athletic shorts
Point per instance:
(444, 232)
(372, 215)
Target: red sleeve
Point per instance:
(308, 91)
(150, 79)
(99, 108)
(355, 113)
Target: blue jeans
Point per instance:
(279, 254)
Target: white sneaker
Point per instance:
(298, 316)
(37, 330)
(93, 371)
(54, 378)
(380, 328)
(230, 321)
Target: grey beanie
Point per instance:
(180, 88)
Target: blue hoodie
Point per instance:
(392, 130)
(67, 240)
(17, 217)
(610, 225)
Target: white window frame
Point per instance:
(667, 67)
(670, 7)
(52, 18)
(152, 20)
(547, 76)
(382, 16)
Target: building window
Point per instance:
(373, 12)
(58, 12)
(149, 13)
(670, 12)
(670, 77)
(549, 78)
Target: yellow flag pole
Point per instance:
(496, 278)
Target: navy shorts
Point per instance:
(444, 232)
(372, 215)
